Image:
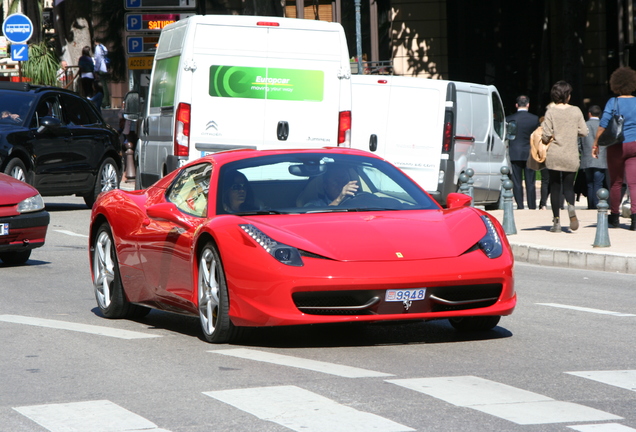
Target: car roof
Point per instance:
(30, 88)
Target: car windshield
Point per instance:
(14, 108)
(316, 183)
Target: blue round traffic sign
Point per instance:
(17, 28)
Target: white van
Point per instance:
(433, 130)
(223, 82)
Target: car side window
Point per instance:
(75, 111)
(48, 106)
(190, 190)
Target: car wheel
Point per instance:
(213, 297)
(108, 178)
(109, 292)
(15, 258)
(16, 169)
(478, 323)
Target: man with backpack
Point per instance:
(101, 69)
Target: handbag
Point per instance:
(613, 133)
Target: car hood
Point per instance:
(12, 191)
(379, 236)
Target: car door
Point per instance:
(166, 246)
(88, 142)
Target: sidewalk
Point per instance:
(535, 244)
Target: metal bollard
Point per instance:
(508, 215)
(602, 232)
(463, 184)
(471, 192)
(504, 170)
(130, 161)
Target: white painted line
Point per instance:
(304, 411)
(71, 233)
(605, 427)
(618, 378)
(584, 309)
(83, 328)
(94, 416)
(501, 400)
(313, 365)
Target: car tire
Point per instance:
(109, 292)
(15, 258)
(108, 178)
(16, 169)
(213, 301)
(477, 323)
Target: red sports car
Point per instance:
(23, 220)
(263, 238)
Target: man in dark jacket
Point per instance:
(519, 150)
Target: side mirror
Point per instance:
(48, 122)
(457, 200)
(511, 130)
(168, 212)
(132, 106)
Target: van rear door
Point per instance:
(305, 83)
(370, 112)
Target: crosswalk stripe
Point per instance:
(503, 401)
(618, 378)
(94, 416)
(313, 365)
(585, 309)
(304, 411)
(605, 427)
(83, 328)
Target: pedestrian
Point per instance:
(98, 95)
(593, 167)
(101, 69)
(518, 152)
(86, 67)
(562, 126)
(62, 74)
(621, 158)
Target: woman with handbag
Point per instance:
(621, 157)
(562, 126)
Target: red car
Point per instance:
(283, 237)
(23, 220)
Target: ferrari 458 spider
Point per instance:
(285, 237)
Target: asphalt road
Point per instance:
(565, 360)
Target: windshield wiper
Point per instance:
(365, 209)
(260, 212)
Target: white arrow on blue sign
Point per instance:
(19, 52)
(17, 28)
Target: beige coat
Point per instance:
(564, 124)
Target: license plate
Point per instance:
(405, 294)
(4, 229)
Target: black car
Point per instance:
(57, 141)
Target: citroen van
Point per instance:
(434, 130)
(223, 82)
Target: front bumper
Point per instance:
(26, 231)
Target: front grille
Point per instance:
(371, 302)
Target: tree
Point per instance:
(73, 25)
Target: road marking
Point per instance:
(503, 401)
(584, 309)
(94, 416)
(304, 411)
(618, 378)
(313, 365)
(83, 328)
(71, 233)
(606, 427)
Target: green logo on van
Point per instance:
(266, 83)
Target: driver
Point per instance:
(336, 187)
(9, 115)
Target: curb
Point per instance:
(575, 259)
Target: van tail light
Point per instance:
(344, 129)
(447, 144)
(182, 130)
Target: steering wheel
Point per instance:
(356, 196)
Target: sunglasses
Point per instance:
(237, 186)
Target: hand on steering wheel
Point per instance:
(348, 191)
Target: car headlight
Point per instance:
(32, 204)
(490, 244)
(287, 255)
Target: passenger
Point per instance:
(337, 185)
(237, 193)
